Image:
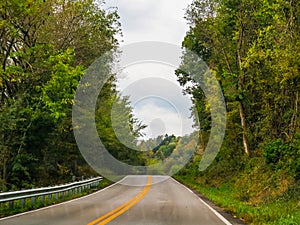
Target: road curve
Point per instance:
(154, 200)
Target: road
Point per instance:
(149, 200)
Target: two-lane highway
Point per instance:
(148, 200)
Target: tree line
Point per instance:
(252, 47)
(45, 48)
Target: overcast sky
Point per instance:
(153, 20)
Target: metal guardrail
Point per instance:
(51, 192)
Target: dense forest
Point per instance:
(167, 154)
(46, 47)
(253, 48)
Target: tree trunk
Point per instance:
(244, 128)
(241, 83)
(294, 120)
(202, 143)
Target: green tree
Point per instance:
(45, 47)
(251, 47)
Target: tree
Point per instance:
(248, 46)
(45, 47)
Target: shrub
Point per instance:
(281, 155)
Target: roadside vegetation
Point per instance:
(252, 47)
(45, 49)
(256, 195)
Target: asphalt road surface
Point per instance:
(148, 200)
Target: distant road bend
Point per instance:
(149, 200)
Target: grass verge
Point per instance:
(279, 212)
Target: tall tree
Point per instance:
(251, 47)
(45, 47)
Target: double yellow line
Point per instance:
(123, 208)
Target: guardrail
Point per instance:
(50, 193)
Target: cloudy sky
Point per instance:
(144, 20)
(155, 95)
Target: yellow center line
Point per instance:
(123, 208)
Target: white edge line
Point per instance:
(212, 209)
(62, 203)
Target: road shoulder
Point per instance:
(225, 214)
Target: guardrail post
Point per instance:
(42, 199)
(11, 204)
(49, 197)
(23, 202)
(33, 200)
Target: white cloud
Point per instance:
(162, 120)
(150, 20)
(144, 20)
(154, 80)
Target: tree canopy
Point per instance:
(45, 48)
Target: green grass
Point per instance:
(7, 210)
(278, 212)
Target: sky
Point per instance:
(161, 106)
(155, 20)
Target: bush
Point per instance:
(274, 152)
(280, 155)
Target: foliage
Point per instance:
(281, 155)
(165, 147)
(119, 136)
(252, 48)
(45, 47)
(278, 212)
